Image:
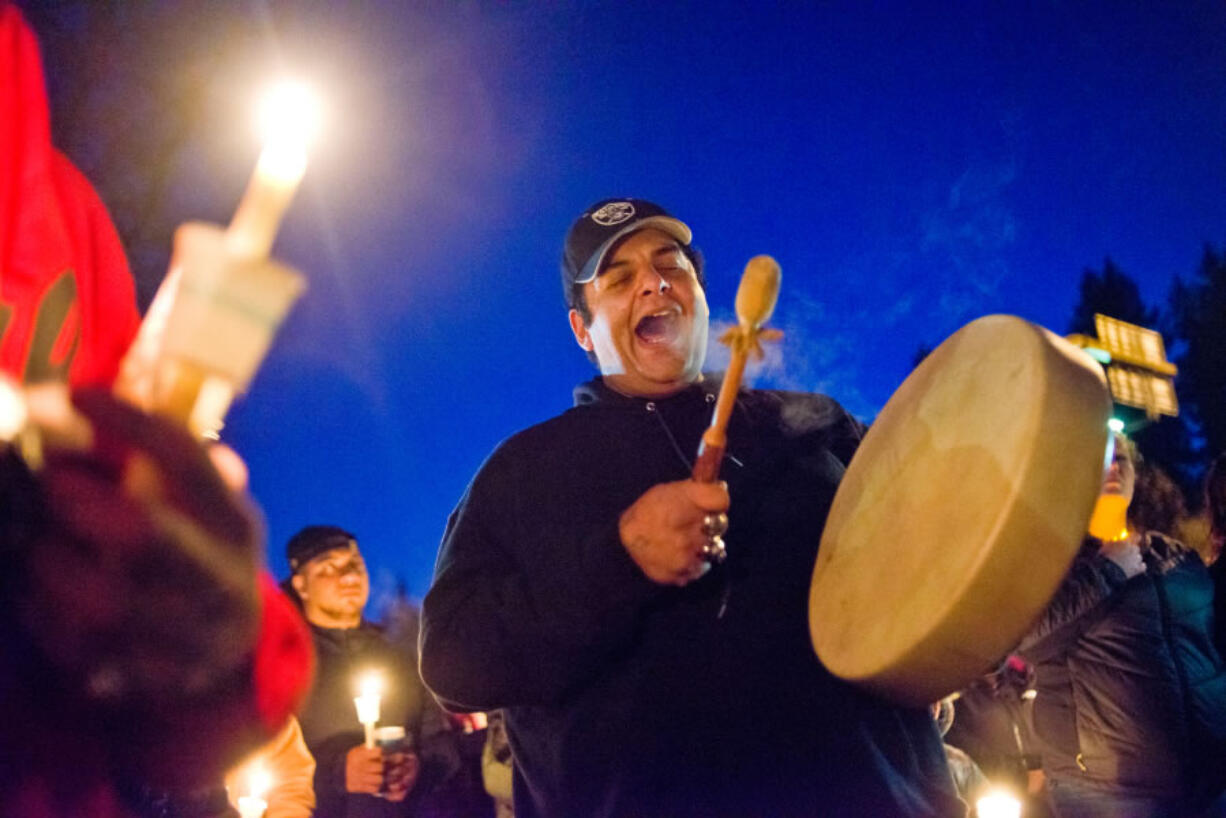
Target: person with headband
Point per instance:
(352, 780)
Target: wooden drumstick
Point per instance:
(755, 301)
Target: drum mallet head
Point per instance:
(759, 290)
(755, 301)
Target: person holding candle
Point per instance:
(277, 778)
(363, 680)
(1130, 705)
(572, 589)
(140, 650)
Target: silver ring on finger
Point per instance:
(714, 525)
(713, 550)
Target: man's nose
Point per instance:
(654, 282)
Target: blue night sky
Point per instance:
(910, 169)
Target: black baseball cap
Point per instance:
(314, 540)
(592, 235)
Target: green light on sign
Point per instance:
(1100, 355)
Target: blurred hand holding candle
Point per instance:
(215, 314)
(253, 804)
(367, 704)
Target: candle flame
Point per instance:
(289, 120)
(998, 804)
(371, 685)
(259, 781)
(282, 163)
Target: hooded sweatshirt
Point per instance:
(628, 698)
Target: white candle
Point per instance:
(253, 804)
(13, 412)
(289, 119)
(251, 807)
(998, 804)
(367, 705)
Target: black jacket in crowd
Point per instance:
(1131, 691)
(628, 698)
(329, 719)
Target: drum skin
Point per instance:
(961, 511)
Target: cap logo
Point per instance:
(613, 213)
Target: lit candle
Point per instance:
(289, 117)
(219, 306)
(1109, 520)
(368, 705)
(253, 804)
(998, 804)
(13, 412)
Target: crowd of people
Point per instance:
(146, 664)
(1115, 702)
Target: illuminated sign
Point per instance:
(1144, 390)
(1135, 361)
(1133, 344)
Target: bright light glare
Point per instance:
(289, 119)
(259, 781)
(290, 111)
(1115, 425)
(998, 804)
(13, 413)
(371, 685)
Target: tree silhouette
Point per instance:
(1111, 292)
(1198, 315)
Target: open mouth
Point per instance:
(658, 328)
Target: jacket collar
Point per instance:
(597, 392)
(342, 636)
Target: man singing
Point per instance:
(571, 589)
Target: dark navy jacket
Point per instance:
(1131, 691)
(329, 719)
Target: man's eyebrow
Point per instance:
(663, 249)
(671, 247)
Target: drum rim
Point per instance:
(931, 648)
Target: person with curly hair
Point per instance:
(1130, 705)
